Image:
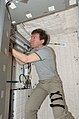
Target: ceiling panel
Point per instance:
(37, 8)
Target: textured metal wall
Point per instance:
(78, 19)
(2, 14)
(5, 60)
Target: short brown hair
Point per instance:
(43, 35)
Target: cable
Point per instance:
(25, 79)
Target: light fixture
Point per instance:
(6, 1)
(24, 1)
(51, 8)
(29, 15)
(72, 2)
(12, 6)
(13, 22)
(17, 1)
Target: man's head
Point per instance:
(39, 38)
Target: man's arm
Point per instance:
(33, 57)
(20, 62)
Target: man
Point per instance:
(49, 81)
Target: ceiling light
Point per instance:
(12, 6)
(6, 1)
(17, 1)
(51, 8)
(24, 1)
(13, 22)
(29, 15)
(72, 2)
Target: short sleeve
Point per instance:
(42, 53)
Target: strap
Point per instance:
(57, 105)
(60, 98)
(58, 92)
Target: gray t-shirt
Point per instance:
(46, 67)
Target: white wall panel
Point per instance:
(20, 98)
(68, 68)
